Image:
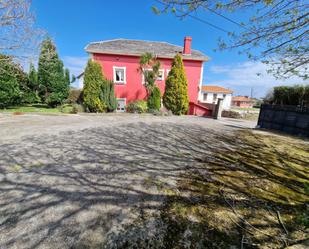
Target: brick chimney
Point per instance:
(187, 45)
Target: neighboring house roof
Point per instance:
(138, 47)
(242, 99)
(80, 75)
(216, 89)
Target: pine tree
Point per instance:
(67, 76)
(30, 90)
(93, 81)
(33, 78)
(9, 87)
(175, 97)
(112, 98)
(53, 88)
(108, 95)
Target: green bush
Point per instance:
(30, 98)
(78, 108)
(75, 96)
(176, 97)
(290, 95)
(71, 108)
(53, 99)
(154, 100)
(93, 80)
(139, 106)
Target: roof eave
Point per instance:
(185, 57)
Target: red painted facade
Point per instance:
(134, 89)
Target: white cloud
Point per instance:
(243, 76)
(75, 64)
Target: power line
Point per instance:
(198, 19)
(227, 18)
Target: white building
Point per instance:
(211, 94)
(80, 80)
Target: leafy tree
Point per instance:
(18, 36)
(93, 79)
(9, 87)
(290, 95)
(154, 99)
(149, 68)
(53, 87)
(175, 97)
(277, 33)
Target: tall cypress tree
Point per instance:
(53, 88)
(176, 97)
(93, 81)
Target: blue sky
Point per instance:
(74, 23)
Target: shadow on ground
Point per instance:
(169, 184)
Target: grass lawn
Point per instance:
(253, 193)
(40, 108)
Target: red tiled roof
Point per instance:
(216, 89)
(242, 98)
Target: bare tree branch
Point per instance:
(279, 30)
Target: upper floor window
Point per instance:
(205, 96)
(159, 78)
(214, 99)
(161, 75)
(119, 75)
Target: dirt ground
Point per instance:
(69, 181)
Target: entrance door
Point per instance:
(121, 105)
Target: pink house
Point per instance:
(119, 59)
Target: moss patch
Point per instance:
(250, 192)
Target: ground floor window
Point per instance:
(121, 105)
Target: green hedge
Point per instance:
(139, 106)
(291, 95)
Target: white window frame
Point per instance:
(162, 76)
(125, 104)
(124, 75)
(143, 76)
(167, 72)
(150, 69)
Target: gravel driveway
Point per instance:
(66, 181)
